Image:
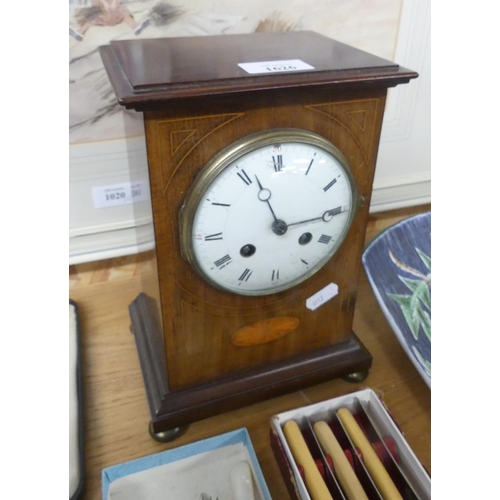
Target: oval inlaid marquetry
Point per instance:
(265, 331)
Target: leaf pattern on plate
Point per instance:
(416, 305)
(398, 266)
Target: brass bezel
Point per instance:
(223, 160)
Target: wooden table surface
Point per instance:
(115, 407)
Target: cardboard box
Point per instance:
(416, 475)
(200, 470)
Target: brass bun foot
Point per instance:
(356, 377)
(166, 436)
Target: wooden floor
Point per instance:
(115, 406)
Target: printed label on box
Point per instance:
(120, 194)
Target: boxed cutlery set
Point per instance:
(347, 448)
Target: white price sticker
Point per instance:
(322, 297)
(256, 68)
(120, 194)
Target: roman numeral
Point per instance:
(246, 274)
(244, 177)
(335, 211)
(276, 274)
(309, 166)
(278, 163)
(213, 237)
(306, 263)
(328, 186)
(221, 204)
(223, 261)
(324, 238)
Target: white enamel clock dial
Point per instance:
(268, 212)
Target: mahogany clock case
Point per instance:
(183, 325)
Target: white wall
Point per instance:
(403, 175)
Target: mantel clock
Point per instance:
(261, 152)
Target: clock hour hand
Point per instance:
(327, 216)
(264, 195)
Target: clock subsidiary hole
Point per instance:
(305, 238)
(247, 250)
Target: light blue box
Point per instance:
(115, 472)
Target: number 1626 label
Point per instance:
(255, 68)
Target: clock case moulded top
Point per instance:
(147, 74)
(191, 373)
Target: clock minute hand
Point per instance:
(324, 217)
(331, 213)
(304, 221)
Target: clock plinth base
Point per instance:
(172, 409)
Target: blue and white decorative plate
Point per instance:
(398, 265)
